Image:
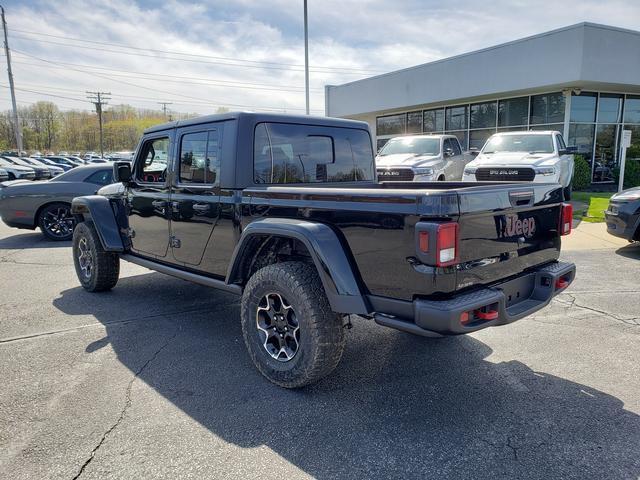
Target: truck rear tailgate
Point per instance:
(504, 230)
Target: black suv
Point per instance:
(287, 212)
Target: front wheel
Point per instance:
(97, 269)
(291, 333)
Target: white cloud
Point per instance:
(371, 35)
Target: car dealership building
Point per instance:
(582, 80)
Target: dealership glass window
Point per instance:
(633, 152)
(513, 111)
(414, 122)
(583, 107)
(483, 115)
(548, 108)
(456, 118)
(605, 152)
(632, 109)
(581, 136)
(433, 120)
(609, 108)
(392, 124)
(478, 137)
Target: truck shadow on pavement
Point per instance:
(630, 251)
(24, 241)
(397, 406)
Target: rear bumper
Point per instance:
(499, 304)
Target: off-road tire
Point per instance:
(322, 336)
(105, 265)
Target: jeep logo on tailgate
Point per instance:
(524, 227)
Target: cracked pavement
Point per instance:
(152, 380)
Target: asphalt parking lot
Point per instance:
(152, 380)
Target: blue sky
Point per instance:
(247, 54)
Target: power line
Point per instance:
(170, 52)
(182, 79)
(192, 60)
(158, 90)
(98, 99)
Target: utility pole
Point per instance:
(164, 108)
(98, 99)
(16, 120)
(306, 57)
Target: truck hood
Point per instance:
(406, 160)
(519, 159)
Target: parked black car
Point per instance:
(623, 214)
(47, 205)
(287, 212)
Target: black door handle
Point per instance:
(201, 207)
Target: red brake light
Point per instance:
(566, 219)
(447, 244)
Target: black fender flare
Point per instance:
(327, 253)
(98, 210)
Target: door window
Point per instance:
(199, 159)
(152, 164)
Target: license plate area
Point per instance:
(519, 289)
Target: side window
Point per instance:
(152, 162)
(561, 144)
(102, 177)
(199, 159)
(455, 144)
(446, 145)
(285, 153)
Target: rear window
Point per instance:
(287, 153)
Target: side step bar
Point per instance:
(404, 326)
(188, 276)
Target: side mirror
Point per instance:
(474, 152)
(569, 151)
(448, 152)
(122, 172)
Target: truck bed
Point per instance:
(376, 222)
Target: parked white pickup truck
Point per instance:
(421, 158)
(535, 156)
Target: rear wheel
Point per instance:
(56, 221)
(441, 178)
(97, 269)
(291, 333)
(11, 176)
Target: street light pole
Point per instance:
(16, 120)
(306, 57)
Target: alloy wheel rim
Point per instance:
(58, 222)
(85, 259)
(278, 327)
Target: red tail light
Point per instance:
(566, 219)
(447, 244)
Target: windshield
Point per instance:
(417, 146)
(519, 143)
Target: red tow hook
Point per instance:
(561, 283)
(490, 315)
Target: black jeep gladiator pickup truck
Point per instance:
(286, 211)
